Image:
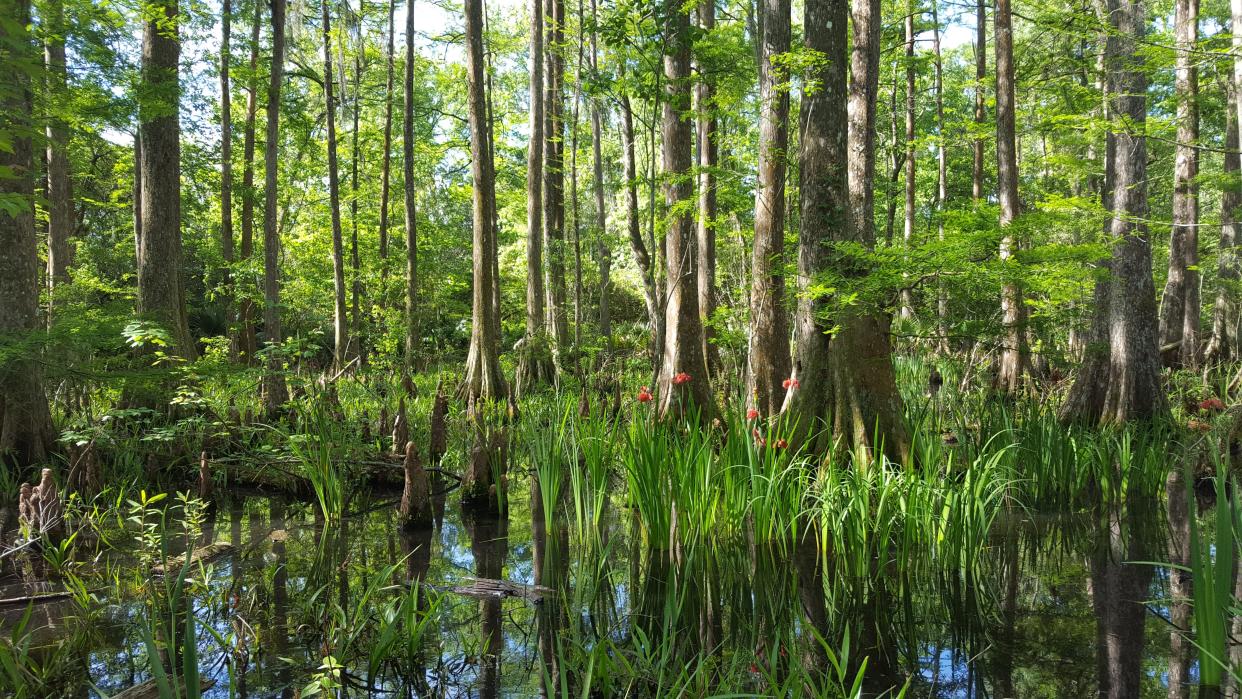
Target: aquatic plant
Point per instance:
(547, 435)
(317, 446)
(1212, 565)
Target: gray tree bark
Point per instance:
(603, 249)
(161, 293)
(651, 296)
(26, 434)
(534, 361)
(386, 173)
(864, 404)
(826, 214)
(709, 155)
(411, 204)
(1120, 380)
(1179, 305)
(768, 357)
(683, 359)
(1223, 345)
(1013, 356)
(274, 390)
(483, 377)
(355, 263)
(59, 185)
(245, 312)
(907, 227)
(942, 179)
(981, 100)
(339, 327)
(226, 167)
(554, 180)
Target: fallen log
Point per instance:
(37, 598)
(489, 588)
(151, 690)
(201, 554)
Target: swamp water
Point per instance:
(1050, 610)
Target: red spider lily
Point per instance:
(644, 395)
(1212, 405)
(1199, 425)
(781, 444)
(752, 414)
(680, 378)
(790, 383)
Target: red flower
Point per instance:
(752, 414)
(644, 395)
(759, 440)
(680, 378)
(1212, 405)
(781, 444)
(790, 383)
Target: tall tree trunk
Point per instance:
(245, 311)
(386, 175)
(646, 269)
(355, 264)
(226, 167)
(483, 377)
(942, 179)
(683, 360)
(554, 180)
(161, 293)
(708, 150)
(981, 100)
(601, 215)
(907, 228)
(1224, 342)
(1013, 359)
(826, 214)
(274, 391)
(1121, 382)
(768, 358)
(137, 191)
(411, 205)
(340, 334)
(573, 190)
(864, 404)
(59, 185)
(26, 434)
(534, 365)
(494, 254)
(1179, 305)
(896, 155)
